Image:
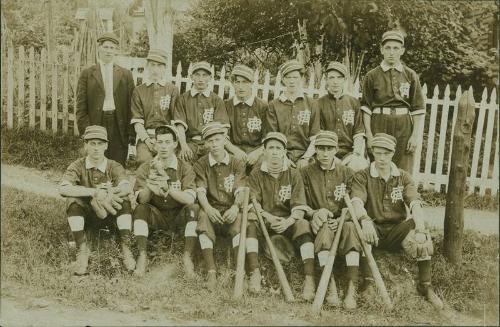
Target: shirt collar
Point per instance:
(172, 164)
(334, 164)
(283, 97)
(212, 161)
(102, 166)
(386, 67)
(109, 64)
(162, 82)
(263, 165)
(248, 102)
(194, 92)
(337, 97)
(374, 172)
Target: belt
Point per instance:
(391, 111)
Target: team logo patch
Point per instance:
(339, 192)
(176, 186)
(254, 124)
(304, 117)
(348, 117)
(165, 102)
(285, 193)
(208, 115)
(404, 89)
(397, 193)
(228, 183)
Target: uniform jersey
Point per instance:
(220, 180)
(153, 104)
(82, 172)
(326, 188)
(181, 178)
(385, 201)
(246, 119)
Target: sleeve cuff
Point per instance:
(238, 190)
(180, 122)
(366, 110)
(304, 208)
(358, 135)
(201, 189)
(136, 120)
(417, 112)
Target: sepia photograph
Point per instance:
(249, 163)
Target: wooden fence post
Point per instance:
(75, 89)
(54, 100)
(10, 87)
(454, 213)
(32, 89)
(65, 115)
(20, 87)
(43, 91)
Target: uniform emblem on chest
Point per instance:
(339, 192)
(285, 193)
(254, 124)
(165, 102)
(208, 115)
(348, 117)
(404, 89)
(397, 193)
(304, 117)
(228, 183)
(176, 186)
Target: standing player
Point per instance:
(380, 194)
(294, 114)
(279, 190)
(166, 195)
(97, 189)
(325, 182)
(392, 101)
(152, 104)
(219, 181)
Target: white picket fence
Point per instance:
(433, 153)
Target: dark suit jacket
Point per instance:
(90, 99)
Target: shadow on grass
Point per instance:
(36, 254)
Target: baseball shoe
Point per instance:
(212, 280)
(350, 297)
(427, 291)
(188, 265)
(82, 260)
(254, 283)
(309, 288)
(142, 263)
(128, 258)
(332, 296)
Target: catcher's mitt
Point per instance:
(106, 201)
(418, 250)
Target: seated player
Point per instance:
(279, 190)
(325, 183)
(97, 192)
(380, 195)
(219, 180)
(166, 194)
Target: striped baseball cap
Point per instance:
(393, 36)
(290, 66)
(275, 136)
(243, 71)
(157, 55)
(385, 141)
(213, 128)
(95, 132)
(328, 138)
(338, 66)
(108, 36)
(201, 65)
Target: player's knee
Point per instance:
(303, 227)
(75, 209)
(252, 229)
(142, 212)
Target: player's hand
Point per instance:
(230, 215)
(283, 224)
(151, 145)
(254, 156)
(369, 232)
(412, 144)
(369, 139)
(214, 215)
(319, 218)
(302, 163)
(100, 195)
(158, 188)
(186, 153)
(333, 224)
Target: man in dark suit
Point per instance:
(104, 94)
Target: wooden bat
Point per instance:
(369, 256)
(327, 270)
(287, 290)
(240, 263)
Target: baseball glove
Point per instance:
(418, 249)
(106, 201)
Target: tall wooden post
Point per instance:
(454, 214)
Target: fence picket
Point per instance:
(65, 114)
(487, 144)
(10, 88)
(32, 89)
(458, 94)
(478, 138)
(222, 82)
(43, 91)
(75, 97)
(418, 150)
(54, 99)
(495, 176)
(178, 76)
(442, 135)
(255, 85)
(20, 87)
(430, 137)
(189, 82)
(266, 86)
(277, 86)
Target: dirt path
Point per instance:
(45, 183)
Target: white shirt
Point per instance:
(107, 79)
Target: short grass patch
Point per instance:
(36, 254)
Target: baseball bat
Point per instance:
(377, 277)
(287, 290)
(240, 263)
(327, 270)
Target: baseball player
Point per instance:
(219, 181)
(294, 114)
(97, 192)
(246, 116)
(152, 104)
(340, 113)
(380, 195)
(326, 181)
(392, 101)
(194, 109)
(279, 190)
(165, 188)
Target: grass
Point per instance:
(36, 254)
